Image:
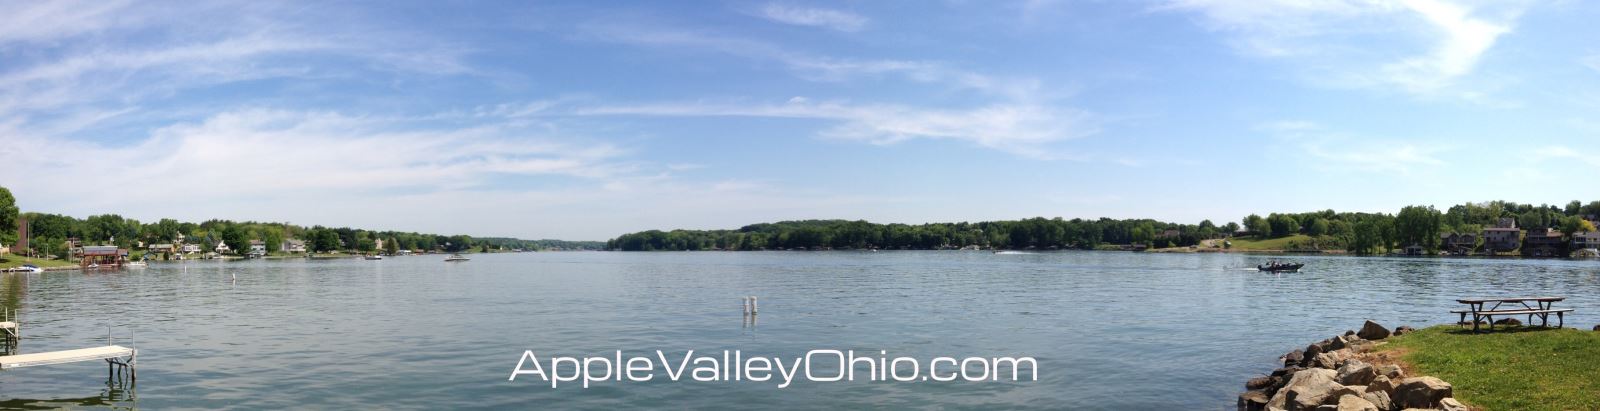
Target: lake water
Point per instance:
(1110, 330)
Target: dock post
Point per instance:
(753, 307)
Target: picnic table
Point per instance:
(1529, 306)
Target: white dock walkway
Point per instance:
(109, 353)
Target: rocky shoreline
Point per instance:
(1343, 374)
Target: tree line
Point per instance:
(1360, 233)
(49, 234)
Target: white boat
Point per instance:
(457, 258)
(136, 264)
(29, 268)
(373, 257)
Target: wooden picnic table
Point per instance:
(1530, 306)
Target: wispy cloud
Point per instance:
(817, 67)
(1333, 38)
(1020, 129)
(814, 17)
(1341, 152)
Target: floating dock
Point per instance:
(113, 354)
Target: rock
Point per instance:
(1355, 403)
(1597, 328)
(1260, 383)
(1392, 371)
(1381, 384)
(1450, 404)
(1356, 372)
(1327, 407)
(1343, 391)
(1253, 400)
(1294, 358)
(1305, 391)
(1350, 332)
(1361, 346)
(1336, 343)
(1331, 360)
(1372, 331)
(1312, 350)
(1290, 370)
(1421, 392)
(1508, 321)
(1404, 329)
(1378, 398)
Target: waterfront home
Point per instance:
(294, 246)
(1503, 237)
(1458, 243)
(190, 248)
(1589, 240)
(1415, 249)
(1542, 243)
(102, 255)
(258, 247)
(221, 247)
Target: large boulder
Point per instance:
(1336, 343)
(1392, 371)
(1253, 400)
(1381, 384)
(1295, 357)
(1305, 391)
(1421, 392)
(1403, 330)
(1355, 372)
(1597, 328)
(1260, 382)
(1378, 398)
(1372, 331)
(1331, 359)
(1356, 403)
(1450, 404)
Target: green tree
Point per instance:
(8, 215)
(324, 240)
(236, 238)
(1282, 225)
(1318, 227)
(1257, 224)
(273, 236)
(1418, 225)
(391, 246)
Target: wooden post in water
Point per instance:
(754, 308)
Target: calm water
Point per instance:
(1111, 330)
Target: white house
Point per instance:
(258, 247)
(221, 247)
(294, 246)
(190, 248)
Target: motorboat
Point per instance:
(1277, 267)
(372, 257)
(456, 258)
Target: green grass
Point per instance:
(1281, 243)
(1520, 369)
(13, 261)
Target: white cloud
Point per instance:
(1352, 42)
(1315, 145)
(821, 68)
(814, 17)
(1016, 128)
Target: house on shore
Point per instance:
(258, 247)
(1503, 237)
(221, 247)
(189, 248)
(1543, 243)
(1587, 243)
(294, 246)
(1458, 243)
(102, 255)
(165, 249)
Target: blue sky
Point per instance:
(584, 120)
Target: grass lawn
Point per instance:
(1280, 243)
(1522, 369)
(14, 261)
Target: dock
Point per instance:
(114, 354)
